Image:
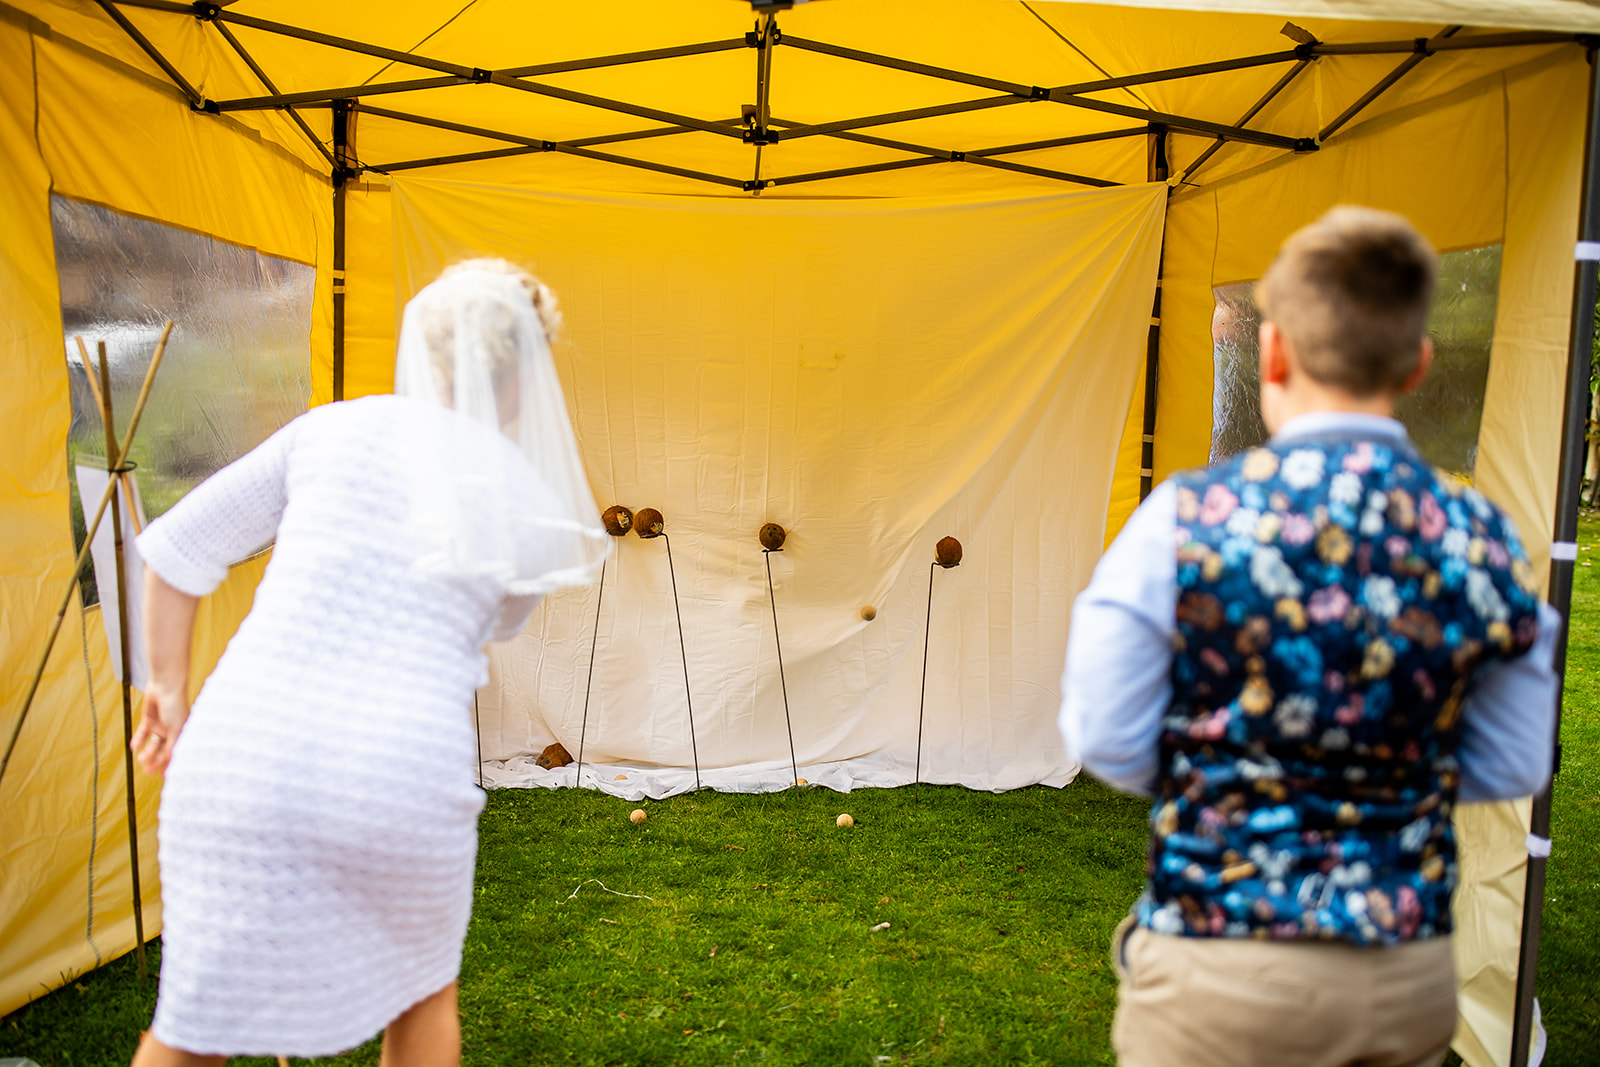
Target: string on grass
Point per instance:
(613, 892)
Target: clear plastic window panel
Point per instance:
(238, 365)
(1442, 416)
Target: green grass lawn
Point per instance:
(756, 945)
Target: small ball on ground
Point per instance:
(869, 613)
(844, 820)
(638, 816)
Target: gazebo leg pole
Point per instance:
(1563, 552)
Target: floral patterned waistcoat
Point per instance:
(1335, 598)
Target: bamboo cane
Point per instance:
(114, 475)
(127, 477)
(83, 554)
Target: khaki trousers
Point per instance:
(1233, 1003)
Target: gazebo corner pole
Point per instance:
(342, 173)
(1159, 169)
(116, 464)
(1563, 550)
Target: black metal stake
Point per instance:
(693, 747)
(767, 552)
(927, 633)
(583, 731)
(477, 727)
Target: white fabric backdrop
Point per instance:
(874, 375)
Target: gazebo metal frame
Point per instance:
(757, 127)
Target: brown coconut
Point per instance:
(555, 755)
(947, 553)
(773, 536)
(649, 523)
(618, 520)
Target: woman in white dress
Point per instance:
(319, 816)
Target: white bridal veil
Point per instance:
(473, 341)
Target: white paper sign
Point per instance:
(91, 486)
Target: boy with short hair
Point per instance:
(1309, 653)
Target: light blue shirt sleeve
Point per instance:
(1118, 679)
(1508, 720)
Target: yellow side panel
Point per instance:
(1130, 453)
(65, 886)
(45, 837)
(1442, 166)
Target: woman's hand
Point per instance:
(166, 709)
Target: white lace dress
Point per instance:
(319, 817)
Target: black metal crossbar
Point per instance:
(903, 116)
(1282, 83)
(150, 50)
(644, 164)
(474, 76)
(1453, 44)
(624, 58)
(266, 83)
(847, 172)
(568, 148)
(1193, 70)
(981, 155)
(760, 128)
(1041, 172)
(1062, 142)
(1389, 79)
(1180, 122)
(275, 100)
(445, 124)
(516, 138)
(621, 106)
(945, 73)
(459, 157)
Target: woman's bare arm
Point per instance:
(169, 616)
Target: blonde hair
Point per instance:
(1351, 293)
(438, 324)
